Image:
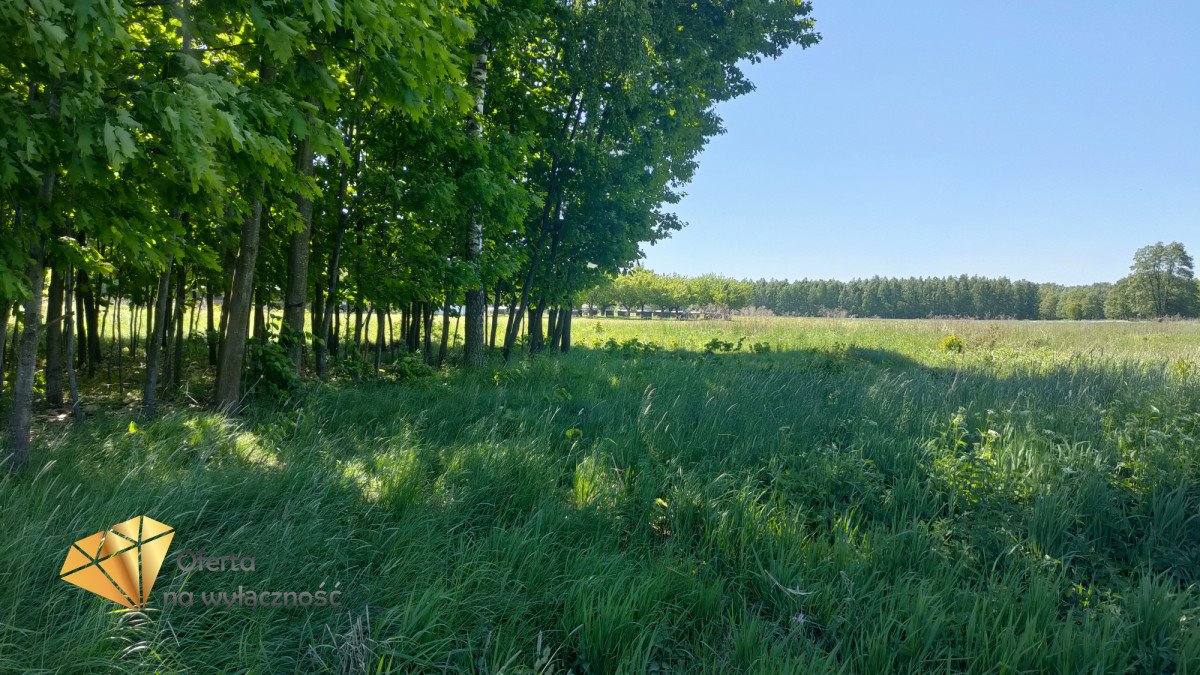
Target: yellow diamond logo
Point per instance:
(120, 563)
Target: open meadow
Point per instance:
(756, 495)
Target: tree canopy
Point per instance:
(341, 160)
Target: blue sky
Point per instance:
(1040, 140)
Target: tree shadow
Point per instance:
(508, 487)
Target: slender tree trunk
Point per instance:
(295, 296)
(168, 339)
(230, 262)
(135, 328)
(76, 408)
(80, 322)
(556, 316)
(21, 417)
(335, 338)
(510, 339)
(495, 315)
(20, 421)
(343, 220)
(379, 328)
(17, 324)
(427, 314)
(565, 333)
(154, 341)
(358, 325)
(260, 317)
(180, 309)
(211, 334)
(120, 353)
(194, 313)
(104, 330)
(414, 328)
(446, 331)
(476, 302)
(318, 305)
(54, 331)
(5, 312)
(92, 319)
(233, 352)
(391, 335)
(536, 340)
(511, 314)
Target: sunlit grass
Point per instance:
(854, 499)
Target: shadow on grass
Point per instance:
(635, 508)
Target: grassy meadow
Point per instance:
(760, 495)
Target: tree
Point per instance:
(1164, 276)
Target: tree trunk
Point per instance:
(260, 317)
(134, 329)
(211, 333)
(54, 331)
(565, 339)
(476, 302)
(233, 352)
(552, 328)
(230, 262)
(427, 313)
(21, 417)
(80, 322)
(168, 338)
(291, 334)
(391, 340)
(535, 330)
(155, 340)
(358, 325)
(335, 338)
(180, 309)
(343, 220)
(379, 336)
(92, 318)
(446, 332)
(495, 314)
(111, 343)
(120, 353)
(76, 408)
(5, 312)
(413, 341)
(518, 312)
(511, 314)
(318, 304)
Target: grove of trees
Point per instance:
(340, 159)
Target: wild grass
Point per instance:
(849, 496)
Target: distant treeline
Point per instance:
(914, 298)
(1161, 284)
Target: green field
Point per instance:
(758, 495)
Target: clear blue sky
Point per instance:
(1041, 140)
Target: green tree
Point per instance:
(1164, 274)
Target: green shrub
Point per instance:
(632, 347)
(408, 366)
(719, 345)
(269, 368)
(953, 343)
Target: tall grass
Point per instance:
(849, 498)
